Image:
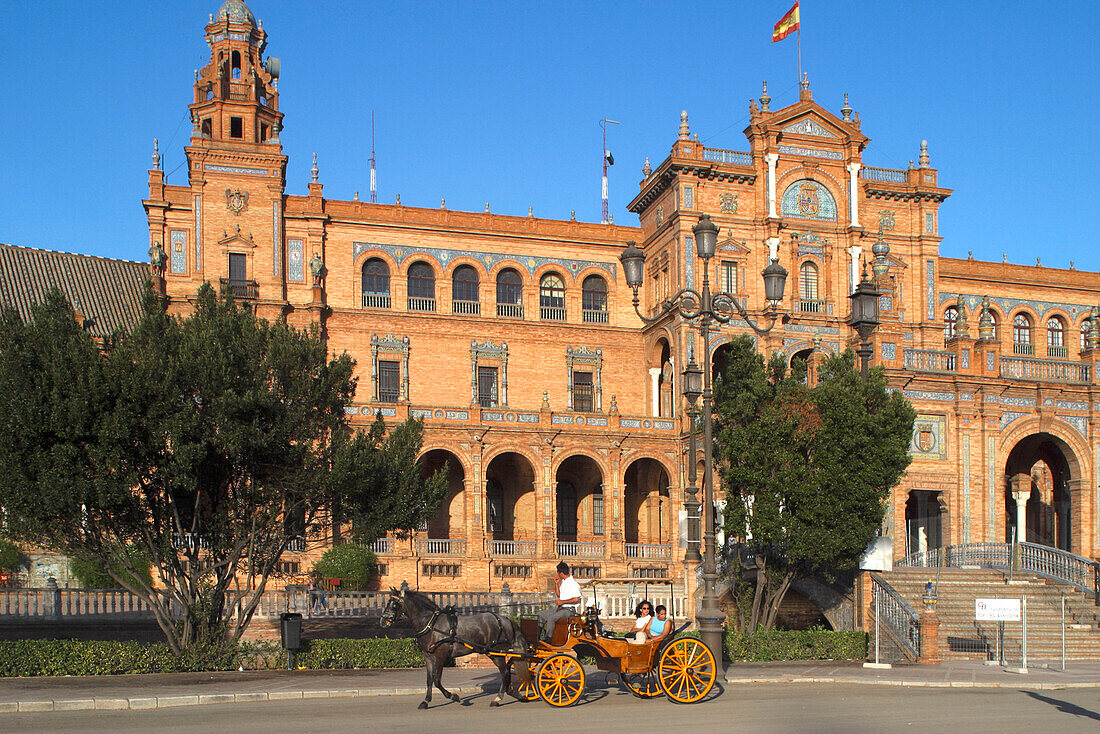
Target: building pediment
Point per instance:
(807, 125)
(236, 239)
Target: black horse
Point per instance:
(443, 633)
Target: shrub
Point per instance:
(92, 572)
(11, 558)
(348, 561)
(812, 644)
(377, 652)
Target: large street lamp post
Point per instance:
(693, 388)
(707, 307)
(864, 319)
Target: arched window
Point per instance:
(995, 324)
(464, 290)
(594, 300)
(1056, 337)
(552, 297)
(421, 287)
(1085, 334)
(1021, 335)
(376, 284)
(236, 71)
(509, 293)
(807, 288)
(950, 322)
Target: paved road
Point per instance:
(817, 708)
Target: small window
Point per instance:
(950, 322)
(465, 284)
(421, 287)
(1085, 334)
(808, 281)
(236, 64)
(236, 127)
(597, 512)
(238, 267)
(583, 392)
(487, 387)
(207, 128)
(1056, 332)
(689, 197)
(1021, 329)
(552, 297)
(509, 288)
(729, 276)
(594, 299)
(567, 510)
(376, 284)
(263, 132)
(389, 381)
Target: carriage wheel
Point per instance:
(687, 670)
(560, 680)
(524, 689)
(643, 685)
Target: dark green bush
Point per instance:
(81, 657)
(812, 644)
(92, 572)
(348, 561)
(11, 558)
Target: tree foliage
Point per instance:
(806, 469)
(207, 442)
(347, 561)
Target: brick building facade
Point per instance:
(556, 414)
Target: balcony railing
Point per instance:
(376, 300)
(382, 546)
(1023, 348)
(719, 155)
(440, 547)
(417, 303)
(890, 175)
(661, 551)
(572, 549)
(1022, 368)
(594, 316)
(812, 306)
(468, 308)
(522, 548)
(240, 288)
(552, 313)
(929, 360)
(510, 310)
(1055, 351)
(296, 545)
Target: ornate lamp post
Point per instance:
(693, 388)
(707, 307)
(864, 319)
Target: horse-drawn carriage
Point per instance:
(681, 668)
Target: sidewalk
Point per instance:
(192, 689)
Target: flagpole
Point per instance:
(800, 46)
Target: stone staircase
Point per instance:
(963, 638)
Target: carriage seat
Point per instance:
(561, 630)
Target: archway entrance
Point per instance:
(450, 519)
(510, 498)
(647, 507)
(923, 521)
(579, 500)
(1040, 470)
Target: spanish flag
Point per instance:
(787, 25)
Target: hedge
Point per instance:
(95, 657)
(813, 644)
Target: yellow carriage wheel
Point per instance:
(643, 685)
(687, 670)
(560, 680)
(524, 688)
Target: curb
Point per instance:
(1022, 684)
(145, 703)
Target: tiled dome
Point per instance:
(237, 12)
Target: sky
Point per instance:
(500, 102)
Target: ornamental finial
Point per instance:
(846, 110)
(765, 100)
(924, 154)
(647, 170)
(313, 170)
(685, 131)
(156, 154)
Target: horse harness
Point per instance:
(452, 637)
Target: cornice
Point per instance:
(704, 170)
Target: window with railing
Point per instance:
(950, 322)
(552, 298)
(509, 294)
(237, 284)
(421, 287)
(597, 512)
(1056, 337)
(465, 287)
(729, 276)
(594, 300)
(389, 381)
(807, 289)
(487, 387)
(584, 393)
(376, 284)
(1021, 335)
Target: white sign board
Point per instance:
(997, 610)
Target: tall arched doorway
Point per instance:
(1040, 472)
(646, 516)
(450, 519)
(924, 521)
(510, 498)
(579, 499)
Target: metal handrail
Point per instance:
(897, 614)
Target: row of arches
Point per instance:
(511, 496)
(1025, 331)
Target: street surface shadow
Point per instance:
(1065, 706)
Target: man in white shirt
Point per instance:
(565, 606)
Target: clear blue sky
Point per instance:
(500, 102)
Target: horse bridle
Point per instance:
(389, 614)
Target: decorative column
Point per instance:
(854, 252)
(1021, 493)
(655, 389)
(772, 159)
(853, 192)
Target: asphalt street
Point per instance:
(735, 708)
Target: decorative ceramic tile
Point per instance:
(198, 233)
(1072, 405)
(889, 350)
(1008, 416)
(1024, 402)
(178, 250)
(929, 439)
(808, 126)
(443, 255)
(276, 240)
(930, 285)
(968, 396)
(1077, 421)
(294, 261)
(926, 395)
(236, 169)
(808, 199)
(834, 155)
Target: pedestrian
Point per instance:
(316, 595)
(566, 604)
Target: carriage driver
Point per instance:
(565, 606)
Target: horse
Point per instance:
(443, 633)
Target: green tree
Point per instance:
(207, 442)
(347, 561)
(11, 557)
(806, 470)
(93, 573)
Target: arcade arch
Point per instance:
(578, 494)
(510, 498)
(450, 519)
(1042, 472)
(647, 510)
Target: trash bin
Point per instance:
(290, 630)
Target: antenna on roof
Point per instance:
(608, 160)
(373, 178)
